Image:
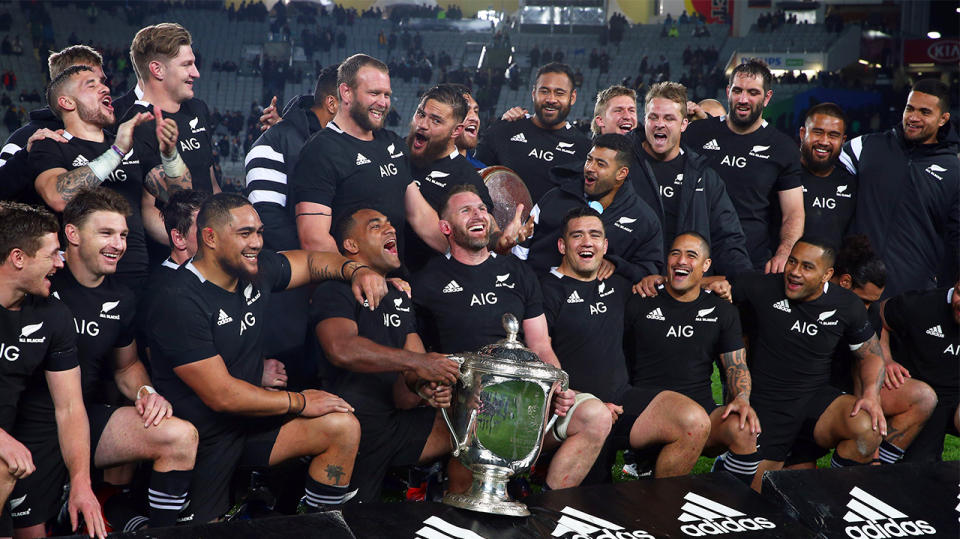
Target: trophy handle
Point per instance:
(564, 381)
(459, 444)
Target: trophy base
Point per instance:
(488, 494)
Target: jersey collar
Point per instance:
(67, 135)
(193, 269)
(555, 271)
(950, 294)
(169, 263)
(454, 153)
(334, 127)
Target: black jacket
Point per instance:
(704, 208)
(635, 239)
(908, 204)
(269, 162)
(16, 174)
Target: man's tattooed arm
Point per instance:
(162, 186)
(70, 183)
(870, 362)
(737, 373)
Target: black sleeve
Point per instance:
(62, 353)
(731, 334)
(727, 240)
(533, 296)
(791, 174)
(314, 178)
(46, 154)
(551, 305)
(744, 285)
(16, 176)
(182, 330)
(487, 147)
(274, 270)
(895, 315)
(129, 329)
(858, 329)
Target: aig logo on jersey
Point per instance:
(543, 155)
(9, 352)
(248, 321)
(27, 331)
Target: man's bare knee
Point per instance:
(691, 420)
(593, 418)
(861, 432)
(339, 429)
(175, 439)
(922, 398)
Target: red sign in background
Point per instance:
(937, 51)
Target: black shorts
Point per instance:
(99, 415)
(785, 420)
(634, 401)
(386, 440)
(218, 456)
(36, 499)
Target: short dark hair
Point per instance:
(94, 199)
(698, 236)
(460, 88)
(456, 190)
(829, 251)
(57, 85)
(22, 227)
(857, 259)
(618, 143)
(347, 72)
(753, 68)
(72, 55)
(827, 109)
(326, 85)
(577, 213)
(448, 94)
(555, 67)
(934, 87)
(178, 211)
(215, 211)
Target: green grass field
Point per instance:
(951, 446)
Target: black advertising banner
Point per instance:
(875, 502)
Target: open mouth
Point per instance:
(390, 246)
(589, 181)
(419, 141)
(625, 127)
(794, 284)
(377, 114)
(471, 129)
(586, 254)
(660, 138)
(550, 109)
(252, 257)
(477, 227)
(107, 102)
(679, 274)
(111, 256)
(821, 152)
(743, 109)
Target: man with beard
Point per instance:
(93, 157)
(759, 164)
(532, 144)
(673, 340)
(798, 320)
(684, 191)
(468, 139)
(355, 163)
(586, 320)
(206, 357)
(636, 241)
(436, 164)
(368, 356)
(165, 66)
(924, 333)
(908, 202)
(39, 349)
(95, 229)
(461, 297)
(829, 191)
(17, 174)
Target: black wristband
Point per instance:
(304, 406)
(344, 266)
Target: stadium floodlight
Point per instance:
(864, 62)
(933, 34)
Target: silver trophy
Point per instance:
(499, 417)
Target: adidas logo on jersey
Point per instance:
(361, 160)
(755, 152)
(712, 145)
(706, 517)
(107, 307)
(80, 161)
(224, 318)
(936, 331)
(656, 314)
(452, 287)
(782, 305)
(518, 138)
(866, 514)
(933, 169)
(574, 298)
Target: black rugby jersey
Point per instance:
(792, 343)
(39, 337)
(193, 139)
(389, 325)
(346, 174)
(828, 204)
(586, 331)
(126, 179)
(926, 339)
(673, 344)
(104, 320)
(199, 320)
(755, 167)
(669, 176)
(460, 306)
(531, 151)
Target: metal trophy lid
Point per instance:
(510, 349)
